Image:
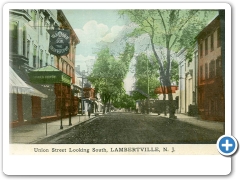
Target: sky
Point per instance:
(95, 28)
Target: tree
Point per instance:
(146, 75)
(172, 29)
(108, 73)
(124, 101)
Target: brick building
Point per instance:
(211, 104)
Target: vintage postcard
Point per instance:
(102, 85)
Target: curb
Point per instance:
(61, 132)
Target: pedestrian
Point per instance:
(89, 111)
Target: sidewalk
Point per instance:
(31, 133)
(212, 125)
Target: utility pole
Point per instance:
(148, 108)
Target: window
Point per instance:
(212, 42)
(47, 57)
(206, 46)
(219, 66)
(62, 66)
(47, 26)
(201, 50)
(41, 57)
(24, 42)
(34, 55)
(201, 73)
(13, 37)
(28, 48)
(41, 26)
(66, 68)
(212, 69)
(34, 18)
(218, 37)
(206, 71)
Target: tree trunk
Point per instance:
(168, 81)
(104, 108)
(164, 101)
(171, 103)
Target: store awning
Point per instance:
(160, 90)
(49, 75)
(18, 86)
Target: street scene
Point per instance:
(116, 76)
(130, 128)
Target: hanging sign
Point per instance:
(59, 43)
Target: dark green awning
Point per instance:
(49, 75)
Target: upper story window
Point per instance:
(206, 71)
(28, 49)
(41, 26)
(212, 69)
(34, 18)
(201, 50)
(13, 37)
(218, 37)
(206, 46)
(47, 57)
(24, 41)
(34, 56)
(47, 26)
(212, 42)
(219, 66)
(41, 58)
(201, 73)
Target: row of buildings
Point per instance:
(200, 89)
(29, 51)
(201, 80)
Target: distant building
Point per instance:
(211, 104)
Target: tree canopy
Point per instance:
(108, 73)
(172, 29)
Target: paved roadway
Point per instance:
(130, 128)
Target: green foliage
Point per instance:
(108, 73)
(146, 74)
(172, 29)
(124, 101)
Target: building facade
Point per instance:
(28, 50)
(188, 70)
(211, 104)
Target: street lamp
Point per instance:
(148, 105)
(82, 96)
(61, 126)
(70, 107)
